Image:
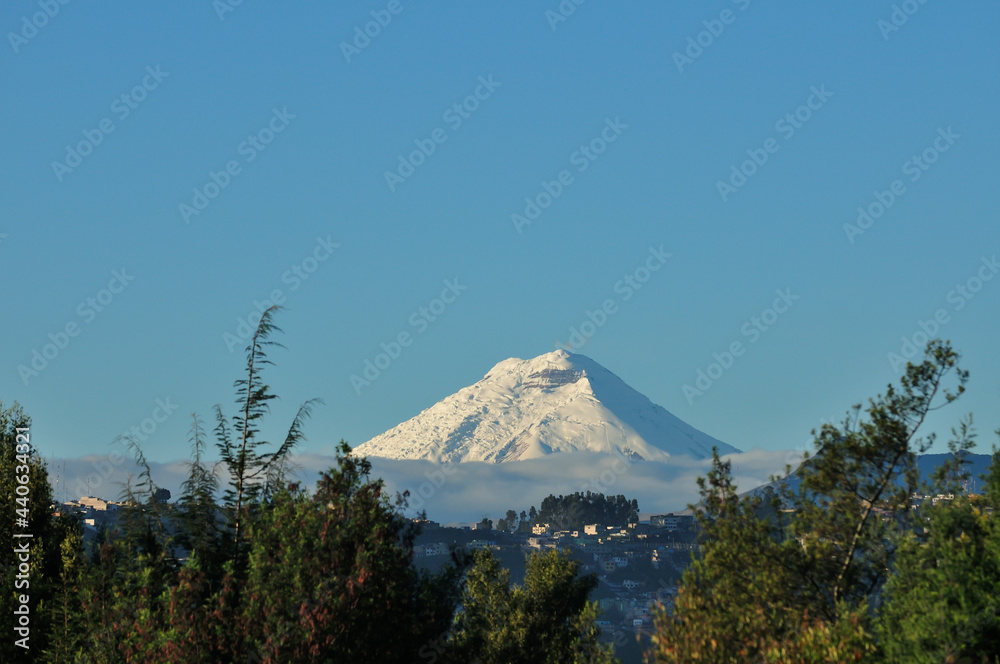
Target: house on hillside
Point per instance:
(671, 521)
(540, 543)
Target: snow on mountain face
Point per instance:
(526, 409)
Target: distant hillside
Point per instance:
(926, 463)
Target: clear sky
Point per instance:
(194, 156)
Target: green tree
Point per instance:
(938, 603)
(193, 626)
(331, 576)
(867, 464)
(138, 601)
(739, 599)
(511, 520)
(547, 620)
(198, 514)
(814, 564)
(67, 635)
(253, 473)
(578, 509)
(101, 602)
(32, 563)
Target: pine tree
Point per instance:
(548, 620)
(770, 578)
(865, 465)
(331, 576)
(942, 601)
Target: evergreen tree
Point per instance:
(768, 578)
(198, 512)
(867, 464)
(942, 601)
(736, 598)
(331, 576)
(511, 521)
(33, 555)
(254, 474)
(67, 620)
(548, 620)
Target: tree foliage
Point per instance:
(574, 511)
(548, 620)
(32, 563)
(360, 597)
(942, 600)
(802, 579)
(253, 473)
(267, 572)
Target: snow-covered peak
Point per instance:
(524, 409)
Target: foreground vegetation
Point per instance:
(839, 565)
(271, 573)
(835, 566)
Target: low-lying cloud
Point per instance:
(466, 492)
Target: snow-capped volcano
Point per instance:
(526, 409)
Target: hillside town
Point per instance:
(637, 565)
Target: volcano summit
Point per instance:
(528, 409)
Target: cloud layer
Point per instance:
(468, 491)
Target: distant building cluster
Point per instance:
(629, 561)
(94, 512)
(672, 522)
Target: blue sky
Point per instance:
(639, 122)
